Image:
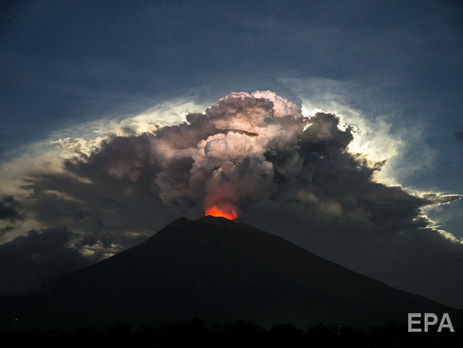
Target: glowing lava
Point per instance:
(227, 212)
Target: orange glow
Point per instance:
(227, 212)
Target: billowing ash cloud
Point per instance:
(224, 157)
(245, 149)
(249, 148)
(258, 155)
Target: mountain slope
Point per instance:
(217, 270)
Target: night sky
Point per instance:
(89, 155)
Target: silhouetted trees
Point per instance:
(239, 334)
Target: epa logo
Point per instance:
(429, 319)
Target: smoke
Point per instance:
(245, 153)
(225, 156)
(245, 149)
(251, 154)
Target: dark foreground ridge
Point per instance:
(239, 334)
(220, 271)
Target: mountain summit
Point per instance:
(220, 271)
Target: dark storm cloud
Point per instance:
(244, 151)
(257, 154)
(28, 262)
(8, 209)
(105, 209)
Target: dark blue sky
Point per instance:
(64, 62)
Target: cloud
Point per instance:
(10, 214)
(294, 175)
(8, 210)
(28, 262)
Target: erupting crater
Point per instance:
(228, 212)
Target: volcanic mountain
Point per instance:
(220, 271)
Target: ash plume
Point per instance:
(254, 154)
(242, 150)
(257, 156)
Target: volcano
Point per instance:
(218, 270)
